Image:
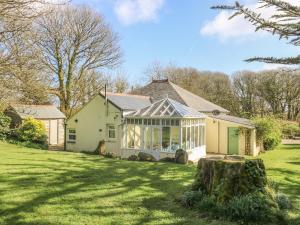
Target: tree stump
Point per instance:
(228, 178)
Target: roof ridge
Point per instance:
(127, 94)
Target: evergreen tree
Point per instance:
(285, 22)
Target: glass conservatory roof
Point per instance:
(167, 108)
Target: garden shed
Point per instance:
(162, 128)
(50, 115)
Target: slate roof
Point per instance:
(159, 89)
(38, 111)
(128, 101)
(242, 121)
(167, 108)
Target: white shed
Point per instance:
(50, 115)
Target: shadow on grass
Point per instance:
(150, 189)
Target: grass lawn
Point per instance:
(40, 187)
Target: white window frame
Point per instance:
(108, 129)
(74, 134)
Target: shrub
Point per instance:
(290, 130)
(251, 207)
(191, 198)
(4, 126)
(207, 203)
(33, 131)
(268, 131)
(133, 158)
(283, 201)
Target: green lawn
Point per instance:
(56, 188)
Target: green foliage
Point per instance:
(33, 131)
(249, 208)
(4, 126)
(290, 130)
(191, 198)
(283, 201)
(268, 131)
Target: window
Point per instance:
(156, 138)
(188, 138)
(111, 131)
(72, 135)
(196, 136)
(175, 138)
(130, 136)
(133, 136)
(147, 138)
(184, 138)
(166, 134)
(192, 137)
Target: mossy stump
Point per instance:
(225, 178)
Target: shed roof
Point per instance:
(128, 101)
(241, 121)
(167, 108)
(38, 111)
(159, 89)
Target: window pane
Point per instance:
(156, 139)
(147, 138)
(167, 122)
(184, 138)
(188, 138)
(137, 137)
(175, 138)
(130, 136)
(192, 137)
(166, 138)
(176, 122)
(197, 136)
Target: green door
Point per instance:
(233, 141)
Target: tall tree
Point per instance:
(284, 22)
(73, 40)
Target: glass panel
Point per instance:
(184, 138)
(175, 138)
(166, 138)
(111, 132)
(176, 122)
(147, 138)
(192, 137)
(163, 121)
(130, 136)
(188, 138)
(149, 121)
(197, 136)
(156, 139)
(157, 121)
(137, 137)
(168, 122)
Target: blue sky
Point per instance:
(185, 33)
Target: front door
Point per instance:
(233, 141)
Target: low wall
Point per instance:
(193, 155)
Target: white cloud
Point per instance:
(268, 66)
(133, 11)
(237, 27)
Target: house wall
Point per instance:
(217, 137)
(91, 126)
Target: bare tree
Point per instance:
(74, 40)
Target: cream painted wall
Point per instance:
(217, 137)
(59, 129)
(91, 126)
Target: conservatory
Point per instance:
(162, 128)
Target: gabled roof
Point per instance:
(241, 121)
(159, 89)
(127, 101)
(167, 108)
(38, 111)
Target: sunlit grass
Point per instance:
(39, 187)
